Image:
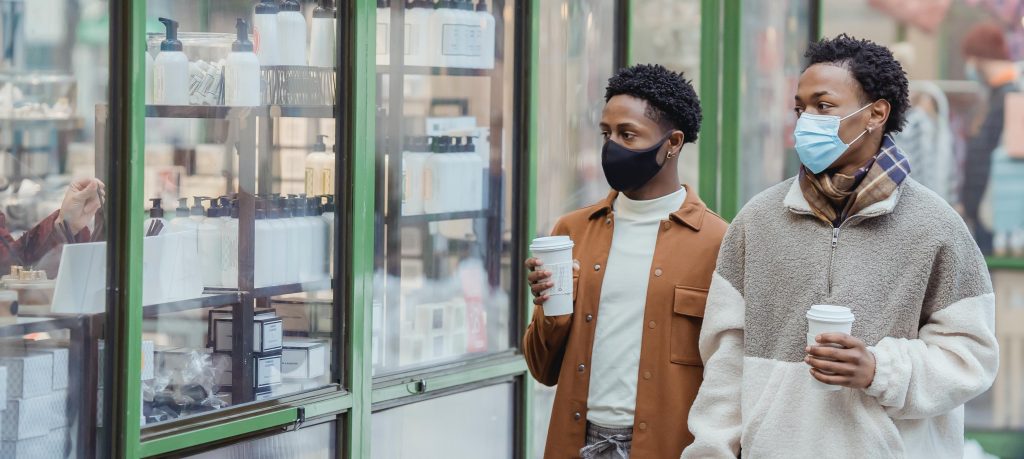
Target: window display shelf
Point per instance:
(209, 300)
(437, 71)
(24, 325)
(287, 289)
(218, 112)
(58, 123)
(445, 216)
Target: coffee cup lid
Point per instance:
(830, 313)
(551, 243)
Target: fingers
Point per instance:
(828, 366)
(833, 353)
(575, 266)
(834, 380)
(841, 339)
(533, 263)
(539, 301)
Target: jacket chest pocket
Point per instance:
(687, 316)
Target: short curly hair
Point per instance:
(671, 99)
(873, 66)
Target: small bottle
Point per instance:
(242, 71)
(229, 247)
(304, 237)
(281, 252)
(265, 34)
(383, 32)
(263, 264)
(184, 222)
(321, 41)
(170, 69)
(316, 162)
(155, 224)
(419, 43)
(318, 262)
(413, 159)
(209, 233)
(149, 73)
(291, 29)
(328, 218)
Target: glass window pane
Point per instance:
(54, 74)
(473, 424)
(240, 182)
(313, 442)
(774, 38)
(444, 181)
(667, 32)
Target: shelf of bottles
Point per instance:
(440, 199)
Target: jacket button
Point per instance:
(590, 317)
(657, 272)
(581, 368)
(651, 324)
(577, 416)
(643, 426)
(597, 267)
(647, 375)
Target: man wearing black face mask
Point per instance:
(645, 258)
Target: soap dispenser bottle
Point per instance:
(242, 71)
(383, 32)
(229, 247)
(316, 162)
(318, 262)
(265, 33)
(262, 262)
(149, 73)
(209, 233)
(487, 37)
(328, 218)
(156, 223)
(291, 29)
(418, 44)
(321, 41)
(170, 69)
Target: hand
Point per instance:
(850, 364)
(81, 201)
(540, 280)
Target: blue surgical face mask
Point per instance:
(817, 140)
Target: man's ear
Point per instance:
(879, 114)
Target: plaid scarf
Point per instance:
(835, 198)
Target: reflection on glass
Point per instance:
(774, 39)
(468, 425)
(313, 442)
(51, 212)
(667, 32)
(444, 182)
(240, 181)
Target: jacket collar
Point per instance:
(796, 203)
(690, 214)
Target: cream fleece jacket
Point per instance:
(922, 297)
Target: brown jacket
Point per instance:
(558, 349)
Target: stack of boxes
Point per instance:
(268, 337)
(34, 381)
(435, 331)
(307, 325)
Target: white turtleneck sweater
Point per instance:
(616, 354)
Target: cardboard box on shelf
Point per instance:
(52, 444)
(304, 359)
(60, 360)
(267, 370)
(268, 332)
(225, 313)
(33, 417)
(29, 373)
(306, 316)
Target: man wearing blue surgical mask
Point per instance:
(852, 230)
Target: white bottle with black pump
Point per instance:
(321, 39)
(291, 30)
(242, 71)
(149, 74)
(487, 37)
(314, 214)
(383, 32)
(418, 44)
(302, 234)
(209, 232)
(229, 247)
(444, 32)
(170, 69)
(263, 264)
(328, 218)
(265, 34)
(155, 224)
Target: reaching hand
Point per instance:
(82, 200)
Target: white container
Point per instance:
(418, 43)
(210, 245)
(291, 30)
(823, 318)
(278, 246)
(156, 223)
(170, 69)
(322, 39)
(287, 271)
(149, 76)
(485, 60)
(414, 158)
(444, 24)
(328, 219)
(264, 31)
(383, 32)
(303, 359)
(229, 247)
(317, 162)
(556, 254)
(263, 274)
(267, 329)
(318, 236)
(305, 237)
(242, 71)
(436, 171)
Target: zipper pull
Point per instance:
(835, 237)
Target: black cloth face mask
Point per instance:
(626, 169)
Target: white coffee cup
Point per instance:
(825, 318)
(556, 254)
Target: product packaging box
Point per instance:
(51, 445)
(33, 417)
(29, 373)
(268, 332)
(305, 317)
(304, 359)
(60, 360)
(266, 371)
